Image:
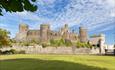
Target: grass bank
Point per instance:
(56, 62)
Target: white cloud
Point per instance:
(111, 27)
(49, 1)
(112, 14)
(24, 13)
(3, 25)
(74, 15)
(111, 3)
(45, 2)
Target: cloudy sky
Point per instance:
(98, 16)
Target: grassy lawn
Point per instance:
(56, 62)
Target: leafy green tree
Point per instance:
(17, 5)
(83, 45)
(4, 38)
(68, 43)
(45, 44)
(60, 42)
(35, 42)
(78, 44)
(54, 43)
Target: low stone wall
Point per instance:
(54, 50)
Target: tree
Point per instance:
(4, 38)
(68, 43)
(17, 5)
(83, 45)
(54, 43)
(60, 42)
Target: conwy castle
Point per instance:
(45, 34)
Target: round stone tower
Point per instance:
(102, 43)
(23, 28)
(65, 32)
(83, 34)
(44, 32)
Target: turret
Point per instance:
(102, 43)
(83, 34)
(23, 28)
(65, 32)
(44, 32)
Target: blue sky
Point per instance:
(98, 16)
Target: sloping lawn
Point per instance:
(56, 62)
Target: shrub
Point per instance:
(26, 44)
(60, 42)
(7, 52)
(54, 43)
(22, 52)
(68, 43)
(4, 38)
(44, 45)
(0, 51)
(13, 51)
(78, 45)
(83, 45)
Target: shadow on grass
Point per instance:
(37, 64)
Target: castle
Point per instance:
(45, 34)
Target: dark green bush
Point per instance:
(60, 42)
(13, 51)
(22, 52)
(25, 44)
(83, 45)
(68, 43)
(44, 45)
(0, 51)
(54, 43)
(7, 52)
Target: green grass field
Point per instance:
(56, 62)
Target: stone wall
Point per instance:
(54, 50)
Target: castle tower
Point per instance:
(66, 26)
(102, 43)
(44, 32)
(23, 28)
(83, 34)
(65, 32)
